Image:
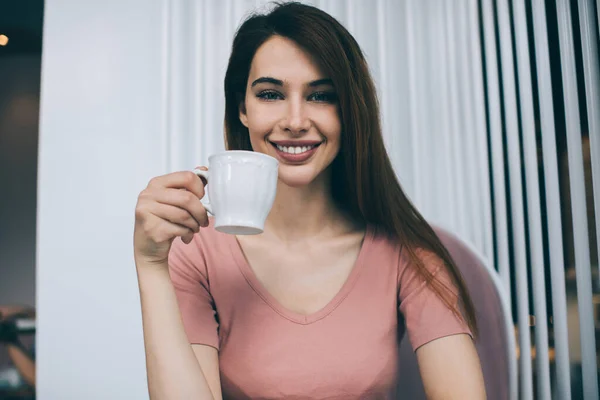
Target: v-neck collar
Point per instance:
(267, 297)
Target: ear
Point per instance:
(243, 116)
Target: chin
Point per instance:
(296, 176)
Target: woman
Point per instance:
(315, 306)
(22, 358)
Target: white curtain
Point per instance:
(425, 58)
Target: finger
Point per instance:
(180, 180)
(187, 239)
(175, 215)
(161, 230)
(185, 200)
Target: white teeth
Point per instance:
(295, 149)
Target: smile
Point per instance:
(295, 152)
(295, 149)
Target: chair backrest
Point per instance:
(496, 341)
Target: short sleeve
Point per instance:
(187, 268)
(426, 316)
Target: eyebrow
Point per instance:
(279, 82)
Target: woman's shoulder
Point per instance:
(405, 255)
(382, 240)
(383, 248)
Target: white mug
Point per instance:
(241, 189)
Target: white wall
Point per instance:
(101, 133)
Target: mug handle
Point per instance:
(204, 174)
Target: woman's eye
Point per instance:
(324, 97)
(269, 95)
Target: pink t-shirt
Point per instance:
(347, 350)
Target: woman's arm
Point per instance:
(24, 364)
(175, 370)
(450, 369)
(20, 359)
(208, 358)
(169, 207)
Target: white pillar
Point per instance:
(102, 130)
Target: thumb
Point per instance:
(187, 239)
(203, 168)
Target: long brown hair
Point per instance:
(363, 180)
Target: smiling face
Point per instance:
(291, 112)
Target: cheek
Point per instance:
(331, 127)
(261, 120)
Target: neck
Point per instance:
(305, 212)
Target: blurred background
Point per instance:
(491, 116)
(20, 69)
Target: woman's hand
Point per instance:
(8, 329)
(169, 207)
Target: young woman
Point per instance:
(314, 307)
(21, 358)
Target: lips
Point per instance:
(295, 151)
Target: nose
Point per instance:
(296, 120)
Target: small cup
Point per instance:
(241, 189)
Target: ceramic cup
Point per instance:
(241, 190)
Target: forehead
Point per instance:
(284, 59)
